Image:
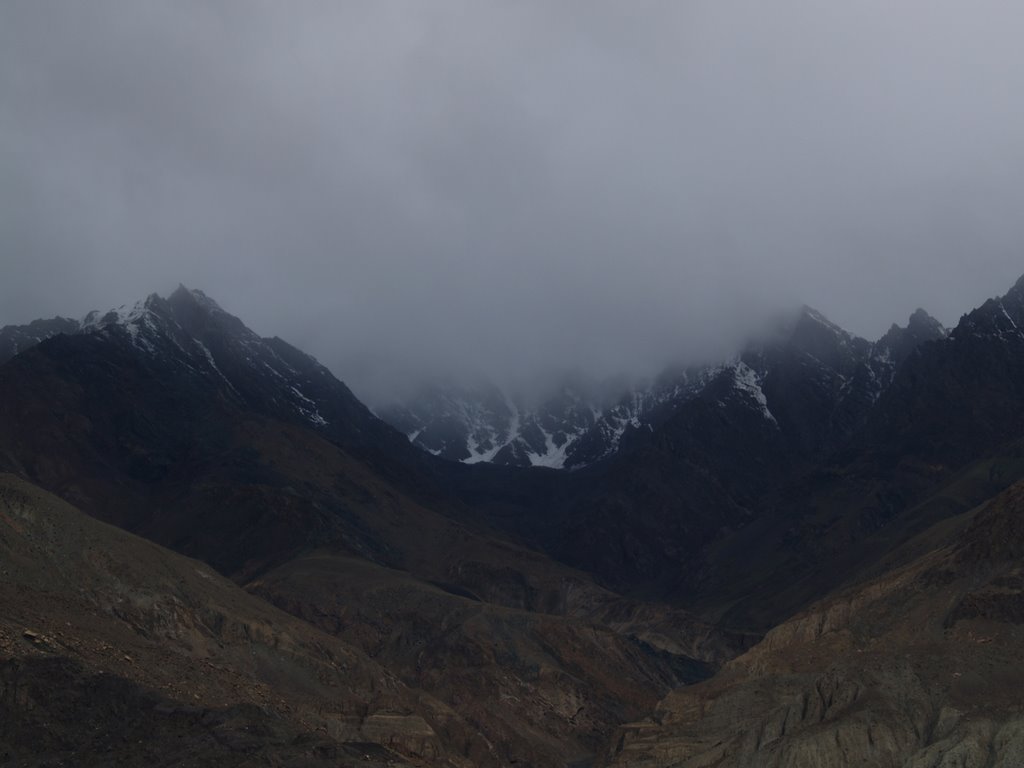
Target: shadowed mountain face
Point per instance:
(17, 338)
(961, 397)
(831, 492)
(740, 447)
(174, 421)
(858, 453)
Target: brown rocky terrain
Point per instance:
(430, 673)
(115, 651)
(545, 687)
(920, 667)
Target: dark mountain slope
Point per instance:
(115, 651)
(271, 377)
(740, 448)
(18, 338)
(156, 418)
(943, 437)
(158, 425)
(958, 397)
(637, 522)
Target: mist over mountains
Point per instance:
(547, 385)
(572, 421)
(809, 533)
(475, 187)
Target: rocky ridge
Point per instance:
(845, 476)
(585, 422)
(206, 449)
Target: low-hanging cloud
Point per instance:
(414, 187)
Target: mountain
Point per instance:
(811, 362)
(114, 651)
(961, 397)
(172, 420)
(729, 452)
(805, 554)
(190, 330)
(482, 423)
(942, 437)
(577, 424)
(16, 338)
(919, 666)
(129, 414)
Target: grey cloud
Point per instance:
(401, 187)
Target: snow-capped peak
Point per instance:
(139, 320)
(124, 315)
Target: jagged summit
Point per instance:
(188, 333)
(808, 314)
(183, 295)
(920, 325)
(820, 378)
(921, 320)
(127, 314)
(481, 422)
(122, 315)
(1001, 317)
(899, 342)
(577, 423)
(1018, 287)
(17, 338)
(1014, 299)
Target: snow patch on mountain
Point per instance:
(308, 408)
(574, 428)
(748, 382)
(137, 320)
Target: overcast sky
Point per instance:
(408, 186)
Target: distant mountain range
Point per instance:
(214, 554)
(585, 422)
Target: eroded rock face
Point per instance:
(919, 668)
(544, 689)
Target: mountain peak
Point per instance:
(921, 322)
(198, 314)
(193, 295)
(123, 315)
(810, 314)
(1002, 317)
(812, 327)
(898, 343)
(1014, 299)
(814, 334)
